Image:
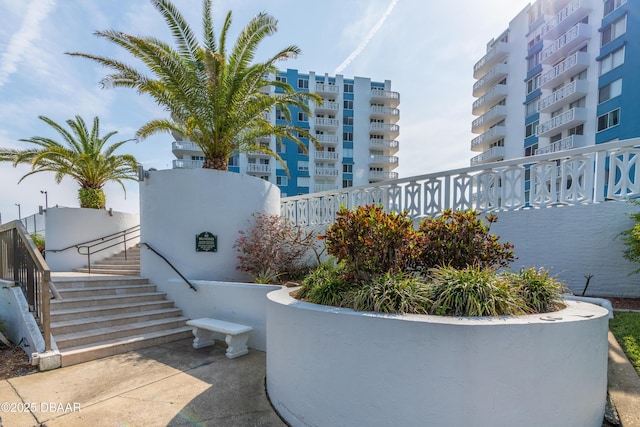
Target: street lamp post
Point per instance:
(19, 214)
(46, 198)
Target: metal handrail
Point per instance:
(170, 265)
(22, 263)
(85, 248)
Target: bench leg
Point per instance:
(203, 338)
(237, 345)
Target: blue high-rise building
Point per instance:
(563, 75)
(356, 125)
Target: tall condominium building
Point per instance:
(563, 75)
(356, 125)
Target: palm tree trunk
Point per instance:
(216, 163)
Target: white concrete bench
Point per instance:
(237, 335)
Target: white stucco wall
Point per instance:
(335, 367)
(70, 226)
(244, 303)
(21, 326)
(178, 204)
(575, 241)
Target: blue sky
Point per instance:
(426, 49)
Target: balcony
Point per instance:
(382, 175)
(572, 141)
(563, 20)
(256, 153)
(258, 168)
(496, 54)
(327, 89)
(325, 187)
(494, 154)
(328, 106)
(489, 99)
(183, 148)
(327, 155)
(389, 129)
(565, 43)
(383, 160)
(328, 140)
(482, 142)
(326, 123)
(494, 75)
(488, 119)
(187, 164)
(574, 64)
(566, 94)
(384, 144)
(386, 96)
(566, 120)
(389, 113)
(326, 172)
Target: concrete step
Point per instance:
(111, 320)
(87, 302)
(108, 310)
(119, 271)
(105, 290)
(75, 355)
(98, 281)
(122, 261)
(99, 335)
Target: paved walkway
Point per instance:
(167, 385)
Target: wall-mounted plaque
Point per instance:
(206, 242)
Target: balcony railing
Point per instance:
(187, 164)
(328, 139)
(326, 155)
(384, 127)
(389, 160)
(390, 144)
(325, 187)
(564, 18)
(592, 174)
(497, 53)
(493, 154)
(325, 122)
(562, 121)
(488, 119)
(327, 88)
(489, 99)
(564, 144)
(326, 172)
(377, 110)
(572, 65)
(386, 95)
(382, 175)
(563, 44)
(492, 135)
(328, 105)
(185, 146)
(492, 77)
(258, 168)
(567, 93)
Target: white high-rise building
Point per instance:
(357, 128)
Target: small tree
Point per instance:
(273, 248)
(631, 239)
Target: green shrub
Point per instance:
(371, 242)
(472, 292)
(539, 292)
(460, 239)
(38, 240)
(631, 239)
(326, 285)
(399, 293)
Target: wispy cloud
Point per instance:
(358, 50)
(20, 43)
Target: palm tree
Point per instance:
(218, 101)
(83, 156)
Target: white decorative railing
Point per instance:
(497, 52)
(388, 111)
(185, 145)
(574, 33)
(375, 158)
(187, 164)
(323, 121)
(328, 139)
(558, 95)
(493, 75)
(327, 155)
(384, 127)
(327, 88)
(561, 68)
(560, 120)
(491, 155)
(329, 105)
(584, 175)
(561, 16)
(564, 144)
(383, 143)
(493, 133)
(326, 172)
(258, 168)
(493, 93)
(494, 112)
(385, 94)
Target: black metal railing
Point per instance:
(22, 263)
(170, 265)
(103, 243)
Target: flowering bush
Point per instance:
(273, 248)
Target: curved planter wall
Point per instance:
(336, 367)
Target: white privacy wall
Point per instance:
(70, 226)
(574, 242)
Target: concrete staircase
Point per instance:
(120, 264)
(102, 315)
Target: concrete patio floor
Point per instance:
(167, 385)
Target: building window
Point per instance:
(614, 30)
(303, 83)
(611, 5)
(303, 181)
(609, 91)
(611, 61)
(347, 152)
(532, 83)
(530, 151)
(348, 87)
(532, 107)
(233, 161)
(347, 183)
(282, 180)
(281, 79)
(531, 129)
(281, 148)
(348, 104)
(279, 115)
(303, 165)
(347, 168)
(302, 117)
(533, 61)
(610, 119)
(302, 149)
(347, 121)
(347, 136)
(578, 130)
